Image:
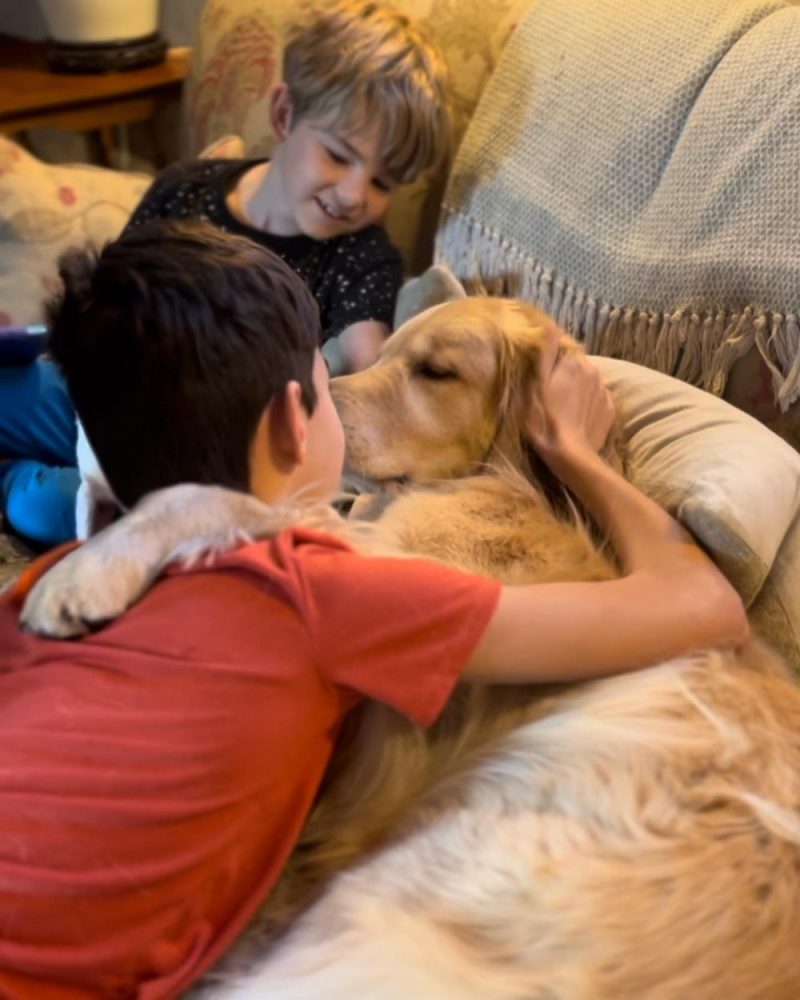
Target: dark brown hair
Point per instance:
(172, 342)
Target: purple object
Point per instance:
(21, 345)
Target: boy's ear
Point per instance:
(287, 432)
(280, 111)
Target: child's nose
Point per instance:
(353, 189)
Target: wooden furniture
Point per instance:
(30, 95)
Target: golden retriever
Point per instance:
(634, 837)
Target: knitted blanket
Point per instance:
(633, 168)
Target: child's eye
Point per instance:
(336, 157)
(382, 185)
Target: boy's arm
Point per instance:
(361, 343)
(672, 598)
(365, 294)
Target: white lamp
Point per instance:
(88, 36)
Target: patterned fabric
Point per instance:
(236, 60)
(353, 277)
(632, 169)
(43, 210)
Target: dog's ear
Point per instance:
(520, 349)
(518, 363)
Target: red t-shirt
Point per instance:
(154, 776)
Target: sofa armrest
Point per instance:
(732, 482)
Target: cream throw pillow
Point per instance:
(45, 208)
(732, 482)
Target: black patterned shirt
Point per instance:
(353, 277)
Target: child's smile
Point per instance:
(324, 183)
(330, 212)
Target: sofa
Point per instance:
(629, 167)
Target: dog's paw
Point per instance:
(82, 592)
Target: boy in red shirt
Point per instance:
(155, 775)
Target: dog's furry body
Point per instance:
(634, 837)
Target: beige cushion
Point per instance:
(776, 610)
(46, 208)
(732, 482)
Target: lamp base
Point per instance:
(105, 57)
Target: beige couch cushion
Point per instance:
(732, 482)
(46, 208)
(776, 610)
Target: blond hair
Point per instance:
(354, 63)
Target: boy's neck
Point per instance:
(244, 197)
(253, 198)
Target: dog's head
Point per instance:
(446, 395)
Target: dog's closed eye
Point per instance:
(434, 372)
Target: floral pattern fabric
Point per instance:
(46, 208)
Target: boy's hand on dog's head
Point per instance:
(569, 406)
